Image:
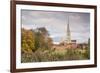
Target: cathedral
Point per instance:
(67, 41)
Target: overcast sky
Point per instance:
(56, 24)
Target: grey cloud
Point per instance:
(56, 23)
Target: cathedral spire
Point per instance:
(68, 32)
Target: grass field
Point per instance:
(55, 55)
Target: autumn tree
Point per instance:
(27, 40)
(32, 40)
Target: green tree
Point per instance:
(44, 39)
(87, 53)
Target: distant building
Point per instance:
(82, 46)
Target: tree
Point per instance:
(27, 40)
(87, 53)
(32, 40)
(46, 37)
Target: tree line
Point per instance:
(32, 40)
